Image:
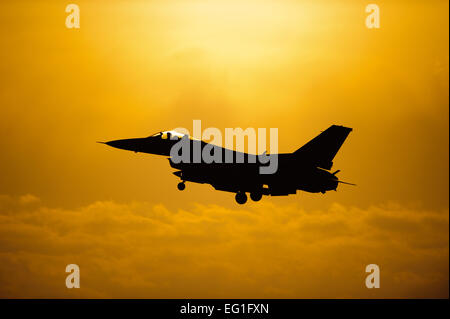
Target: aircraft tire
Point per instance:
(241, 198)
(256, 196)
(181, 186)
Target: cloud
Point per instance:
(144, 250)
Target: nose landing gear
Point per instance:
(181, 186)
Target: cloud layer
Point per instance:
(143, 250)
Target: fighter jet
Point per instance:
(307, 169)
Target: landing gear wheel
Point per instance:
(181, 186)
(241, 198)
(256, 196)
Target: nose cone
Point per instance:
(150, 145)
(131, 144)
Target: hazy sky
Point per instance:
(138, 67)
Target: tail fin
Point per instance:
(322, 149)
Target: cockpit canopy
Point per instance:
(165, 135)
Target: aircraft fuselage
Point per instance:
(306, 169)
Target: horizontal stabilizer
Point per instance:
(347, 183)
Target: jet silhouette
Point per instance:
(306, 169)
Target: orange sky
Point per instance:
(137, 67)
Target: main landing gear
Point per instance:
(256, 196)
(181, 186)
(241, 198)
